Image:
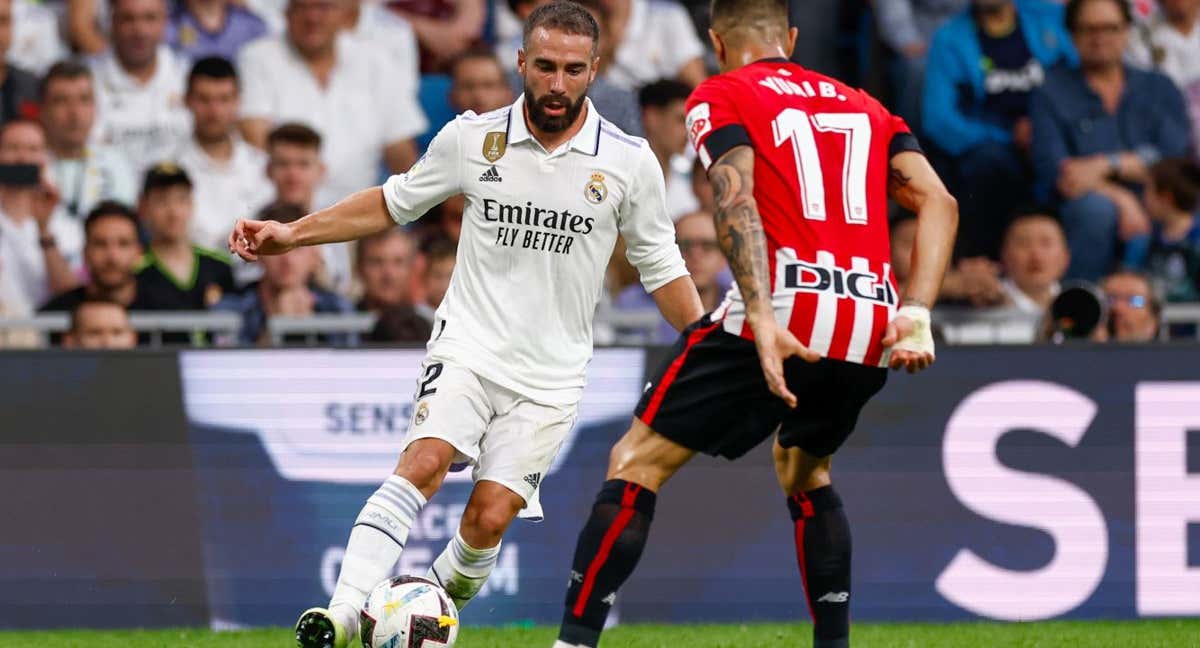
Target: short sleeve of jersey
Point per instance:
(434, 178)
(902, 137)
(713, 121)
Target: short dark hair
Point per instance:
(475, 54)
(360, 248)
(1031, 214)
(568, 17)
(65, 69)
(212, 67)
(438, 247)
(283, 212)
(165, 175)
(732, 14)
(1180, 179)
(1075, 6)
(294, 133)
(663, 93)
(401, 324)
(109, 209)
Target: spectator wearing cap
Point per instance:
(286, 288)
(18, 86)
(444, 28)
(1096, 131)
(1170, 254)
(226, 171)
(664, 118)
(478, 83)
(99, 324)
(295, 170)
(175, 274)
(617, 103)
(983, 65)
(84, 171)
(39, 244)
(111, 254)
(345, 89)
(202, 28)
(1134, 310)
(385, 267)
(140, 84)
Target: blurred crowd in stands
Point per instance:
(134, 133)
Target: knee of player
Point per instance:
(487, 522)
(425, 470)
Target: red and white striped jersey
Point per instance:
(820, 179)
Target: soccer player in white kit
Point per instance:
(549, 185)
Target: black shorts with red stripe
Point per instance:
(710, 396)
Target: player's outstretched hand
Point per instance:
(776, 344)
(251, 239)
(909, 342)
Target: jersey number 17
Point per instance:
(800, 128)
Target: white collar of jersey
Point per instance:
(587, 140)
(118, 79)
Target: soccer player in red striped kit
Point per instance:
(802, 167)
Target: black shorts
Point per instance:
(710, 396)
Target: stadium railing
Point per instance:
(613, 327)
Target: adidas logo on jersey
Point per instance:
(534, 479)
(834, 597)
(491, 175)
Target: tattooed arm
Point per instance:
(740, 233)
(915, 185)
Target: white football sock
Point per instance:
(563, 644)
(375, 544)
(462, 570)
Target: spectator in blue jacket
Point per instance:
(1096, 131)
(983, 65)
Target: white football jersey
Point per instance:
(537, 234)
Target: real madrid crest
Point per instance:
(422, 413)
(494, 145)
(595, 190)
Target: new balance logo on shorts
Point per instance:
(834, 597)
(491, 175)
(534, 479)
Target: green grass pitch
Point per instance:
(1173, 633)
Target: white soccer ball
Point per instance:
(408, 612)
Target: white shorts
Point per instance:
(508, 438)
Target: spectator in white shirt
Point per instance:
(372, 21)
(656, 41)
(1169, 42)
(86, 174)
(36, 43)
(295, 170)
(344, 88)
(226, 171)
(664, 119)
(37, 241)
(139, 85)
